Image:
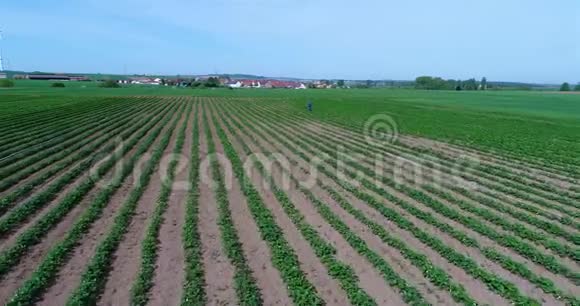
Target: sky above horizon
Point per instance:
(517, 40)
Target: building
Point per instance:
(232, 84)
(56, 77)
(3, 75)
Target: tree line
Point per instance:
(566, 87)
(437, 83)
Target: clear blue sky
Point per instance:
(508, 40)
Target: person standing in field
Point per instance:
(309, 106)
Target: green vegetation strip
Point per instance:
(149, 245)
(12, 255)
(94, 277)
(66, 145)
(338, 270)
(58, 255)
(193, 287)
(435, 274)
(247, 291)
(520, 269)
(21, 137)
(284, 258)
(26, 209)
(55, 142)
(496, 284)
(506, 240)
(445, 164)
(518, 229)
(87, 149)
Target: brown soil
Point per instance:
(537, 269)
(127, 258)
(370, 279)
(316, 272)
(219, 272)
(169, 276)
(435, 255)
(29, 263)
(98, 136)
(257, 252)
(336, 132)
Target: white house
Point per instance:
(301, 86)
(237, 84)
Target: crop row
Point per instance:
(35, 129)
(284, 258)
(355, 126)
(193, 286)
(343, 273)
(433, 273)
(33, 235)
(95, 274)
(493, 282)
(23, 147)
(63, 144)
(522, 248)
(511, 158)
(84, 149)
(26, 209)
(246, 289)
(521, 231)
(149, 245)
(467, 264)
(444, 164)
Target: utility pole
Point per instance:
(1, 58)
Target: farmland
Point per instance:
(377, 197)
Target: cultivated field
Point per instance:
(227, 200)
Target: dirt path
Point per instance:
(28, 264)
(169, 274)
(127, 258)
(268, 279)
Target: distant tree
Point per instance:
(431, 83)
(109, 84)
(212, 82)
(57, 85)
(6, 83)
(470, 84)
(577, 87)
(340, 83)
(483, 83)
(369, 83)
(565, 87)
(458, 85)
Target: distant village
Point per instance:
(198, 81)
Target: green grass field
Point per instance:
(544, 125)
